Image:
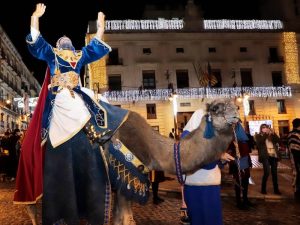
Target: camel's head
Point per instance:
(223, 113)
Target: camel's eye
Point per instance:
(214, 108)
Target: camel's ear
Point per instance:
(209, 101)
(207, 107)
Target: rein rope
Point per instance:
(238, 154)
(178, 163)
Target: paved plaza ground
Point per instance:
(269, 209)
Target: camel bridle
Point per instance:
(177, 160)
(238, 154)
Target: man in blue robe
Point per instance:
(69, 171)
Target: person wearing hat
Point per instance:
(60, 162)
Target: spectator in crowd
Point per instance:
(156, 177)
(5, 146)
(172, 133)
(267, 143)
(202, 189)
(14, 153)
(240, 170)
(294, 147)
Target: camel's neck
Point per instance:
(153, 149)
(156, 151)
(196, 151)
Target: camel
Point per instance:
(156, 151)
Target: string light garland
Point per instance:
(291, 58)
(196, 93)
(225, 24)
(20, 102)
(159, 24)
(178, 24)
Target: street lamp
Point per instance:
(244, 99)
(5, 98)
(173, 99)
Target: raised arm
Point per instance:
(97, 48)
(100, 25)
(37, 46)
(39, 11)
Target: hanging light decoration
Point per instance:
(291, 58)
(159, 24)
(196, 93)
(243, 24)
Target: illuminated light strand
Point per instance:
(291, 58)
(159, 24)
(195, 93)
(20, 102)
(242, 24)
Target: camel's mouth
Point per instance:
(233, 119)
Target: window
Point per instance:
(273, 56)
(114, 83)
(243, 49)
(147, 51)
(277, 78)
(251, 107)
(179, 50)
(217, 74)
(182, 77)
(1, 95)
(283, 127)
(7, 122)
(246, 77)
(297, 7)
(151, 111)
(281, 106)
(185, 104)
(149, 79)
(113, 57)
(156, 128)
(212, 50)
(273, 52)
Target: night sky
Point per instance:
(70, 18)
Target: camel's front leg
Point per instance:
(122, 214)
(32, 213)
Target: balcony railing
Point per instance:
(196, 93)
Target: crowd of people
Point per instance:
(267, 144)
(10, 147)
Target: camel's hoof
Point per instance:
(32, 213)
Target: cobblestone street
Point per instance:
(167, 213)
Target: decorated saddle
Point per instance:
(127, 173)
